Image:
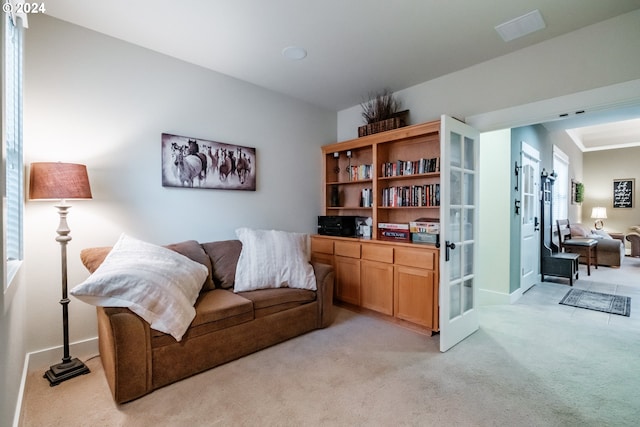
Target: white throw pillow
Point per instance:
(273, 259)
(156, 283)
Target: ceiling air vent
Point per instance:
(521, 26)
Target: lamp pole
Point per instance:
(69, 367)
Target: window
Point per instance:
(561, 186)
(12, 46)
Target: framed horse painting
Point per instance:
(199, 163)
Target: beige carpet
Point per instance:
(529, 364)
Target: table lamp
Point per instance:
(599, 213)
(61, 181)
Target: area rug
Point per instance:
(614, 304)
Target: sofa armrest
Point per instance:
(324, 282)
(124, 340)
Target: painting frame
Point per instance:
(189, 162)
(623, 193)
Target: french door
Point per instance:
(458, 227)
(529, 186)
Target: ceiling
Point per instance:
(355, 47)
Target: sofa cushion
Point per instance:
(579, 230)
(224, 258)
(156, 283)
(269, 301)
(600, 234)
(194, 251)
(215, 310)
(273, 259)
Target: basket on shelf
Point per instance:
(397, 121)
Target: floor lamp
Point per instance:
(61, 181)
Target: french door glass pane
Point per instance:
(455, 295)
(468, 188)
(468, 259)
(468, 295)
(455, 155)
(455, 187)
(467, 233)
(469, 159)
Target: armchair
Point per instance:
(634, 238)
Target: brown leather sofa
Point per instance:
(610, 250)
(227, 326)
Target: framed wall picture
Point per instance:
(199, 163)
(623, 192)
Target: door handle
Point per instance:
(536, 224)
(448, 245)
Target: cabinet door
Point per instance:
(376, 290)
(413, 295)
(347, 279)
(322, 258)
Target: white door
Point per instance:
(458, 227)
(529, 186)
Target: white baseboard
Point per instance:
(42, 359)
(489, 297)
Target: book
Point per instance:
(393, 226)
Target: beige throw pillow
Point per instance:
(273, 259)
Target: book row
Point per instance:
(402, 167)
(366, 198)
(411, 195)
(360, 172)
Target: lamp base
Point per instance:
(65, 371)
(599, 224)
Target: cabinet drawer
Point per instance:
(324, 246)
(415, 258)
(377, 253)
(347, 249)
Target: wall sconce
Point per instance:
(336, 156)
(349, 167)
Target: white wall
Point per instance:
(99, 101)
(13, 313)
(600, 55)
(492, 269)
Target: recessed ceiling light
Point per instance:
(521, 26)
(294, 53)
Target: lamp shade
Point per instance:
(599, 213)
(56, 181)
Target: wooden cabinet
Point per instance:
(398, 280)
(347, 279)
(376, 289)
(414, 296)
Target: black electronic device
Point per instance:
(341, 226)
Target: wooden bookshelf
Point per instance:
(396, 280)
